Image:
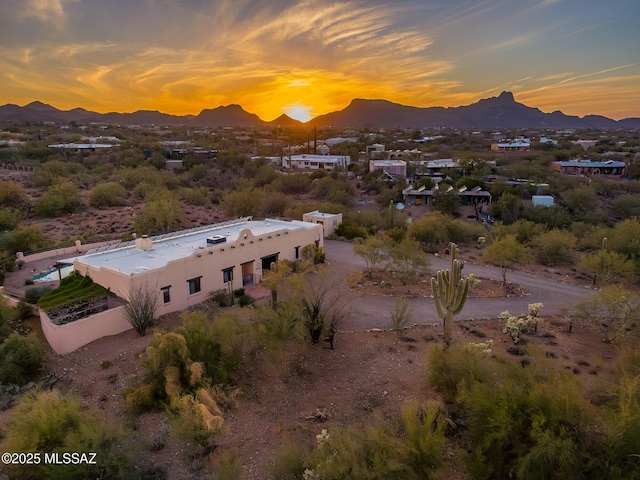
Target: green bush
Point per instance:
(108, 194)
(49, 421)
(58, 200)
(245, 300)
(526, 423)
(350, 230)
(449, 370)
(20, 358)
(33, 294)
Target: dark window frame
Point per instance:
(166, 294)
(195, 285)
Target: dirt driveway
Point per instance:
(372, 311)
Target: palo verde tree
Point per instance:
(450, 292)
(506, 252)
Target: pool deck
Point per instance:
(14, 282)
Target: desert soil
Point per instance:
(368, 374)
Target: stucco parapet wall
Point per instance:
(57, 252)
(164, 249)
(71, 336)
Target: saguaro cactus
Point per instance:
(450, 293)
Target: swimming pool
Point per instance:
(52, 274)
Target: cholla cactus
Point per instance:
(516, 325)
(485, 348)
(322, 437)
(450, 293)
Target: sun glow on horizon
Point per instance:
(298, 111)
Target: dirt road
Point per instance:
(372, 311)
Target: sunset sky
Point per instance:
(310, 57)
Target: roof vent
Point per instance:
(216, 239)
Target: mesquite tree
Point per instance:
(450, 293)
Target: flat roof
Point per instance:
(126, 258)
(317, 213)
(590, 163)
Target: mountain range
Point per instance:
(496, 112)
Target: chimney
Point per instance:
(144, 243)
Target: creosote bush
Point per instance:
(409, 450)
(50, 421)
(20, 358)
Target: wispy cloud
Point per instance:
(45, 10)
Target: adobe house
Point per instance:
(184, 267)
(329, 221)
(589, 167)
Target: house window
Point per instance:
(194, 285)
(166, 295)
(297, 253)
(227, 275)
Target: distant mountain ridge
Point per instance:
(496, 112)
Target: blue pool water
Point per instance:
(52, 274)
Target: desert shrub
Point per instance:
(240, 203)
(49, 421)
(401, 314)
(221, 297)
(313, 253)
(58, 200)
(141, 307)
(551, 217)
(10, 218)
(350, 230)
(108, 194)
(524, 230)
(193, 196)
(554, 246)
(33, 294)
(201, 344)
(529, 424)
(20, 358)
(424, 438)
(382, 451)
(274, 204)
(194, 421)
(627, 206)
(162, 212)
(245, 300)
(293, 184)
(22, 239)
(289, 462)
(449, 371)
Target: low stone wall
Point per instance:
(72, 336)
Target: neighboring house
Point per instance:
(374, 148)
(86, 147)
(316, 162)
(184, 267)
(589, 167)
(516, 146)
(543, 200)
(585, 143)
(422, 196)
(435, 168)
(329, 221)
(392, 167)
